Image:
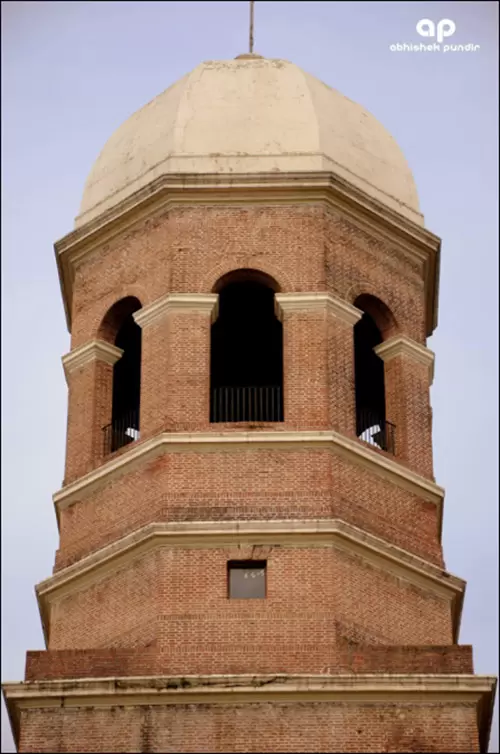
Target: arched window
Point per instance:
(371, 423)
(120, 328)
(246, 370)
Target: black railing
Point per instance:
(247, 404)
(121, 431)
(375, 431)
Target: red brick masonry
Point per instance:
(105, 663)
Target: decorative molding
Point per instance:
(323, 187)
(401, 345)
(352, 450)
(94, 350)
(299, 302)
(314, 533)
(351, 688)
(178, 302)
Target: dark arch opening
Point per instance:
(371, 423)
(120, 327)
(246, 357)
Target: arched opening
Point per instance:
(120, 328)
(371, 423)
(246, 369)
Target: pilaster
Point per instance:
(409, 370)
(318, 360)
(176, 362)
(89, 374)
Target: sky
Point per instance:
(72, 72)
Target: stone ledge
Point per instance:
(224, 688)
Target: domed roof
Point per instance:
(250, 115)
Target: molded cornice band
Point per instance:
(400, 345)
(170, 191)
(94, 350)
(177, 302)
(306, 302)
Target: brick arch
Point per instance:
(363, 297)
(242, 262)
(115, 316)
(246, 274)
(107, 302)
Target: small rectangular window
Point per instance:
(246, 579)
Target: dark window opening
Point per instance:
(371, 424)
(246, 370)
(246, 579)
(124, 427)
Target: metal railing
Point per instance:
(375, 431)
(121, 431)
(247, 404)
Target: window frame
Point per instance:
(242, 564)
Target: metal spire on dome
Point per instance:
(251, 27)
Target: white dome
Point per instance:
(250, 115)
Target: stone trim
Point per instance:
(178, 302)
(93, 350)
(288, 533)
(246, 689)
(401, 345)
(206, 442)
(300, 302)
(173, 190)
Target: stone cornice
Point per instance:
(400, 345)
(413, 241)
(352, 450)
(303, 302)
(289, 533)
(242, 689)
(93, 350)
(178, 302)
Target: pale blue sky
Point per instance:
(73, 71)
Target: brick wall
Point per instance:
(148, 661)
(248, 484)
(319, 601)
(187, 250)
(326, 611)
(271, 726)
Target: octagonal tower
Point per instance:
(250, 530)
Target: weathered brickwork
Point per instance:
(265, 727)
(248, 484)
(306, 249)
(318, 600)
(359, 262)
(150, 661)
(337, 605)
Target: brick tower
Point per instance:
(250, 529)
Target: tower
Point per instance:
(249, 523)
